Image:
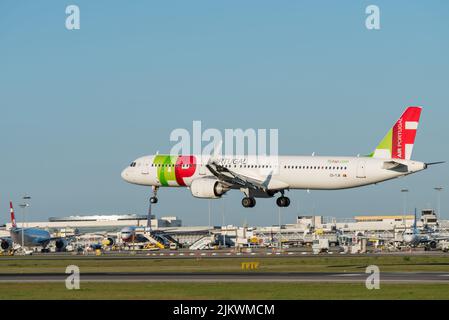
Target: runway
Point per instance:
(220, 254)
(386, 277)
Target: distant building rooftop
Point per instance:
(98, 217)
(382, 218)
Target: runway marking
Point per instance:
(389, 277)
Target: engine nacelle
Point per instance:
(433, 244)
(207, 188)
(108, 241)
(60, 244)
(6, 245)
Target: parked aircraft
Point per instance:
(414, 237)
(29, 237)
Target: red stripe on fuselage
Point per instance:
(185, 167)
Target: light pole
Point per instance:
(23, 206)
(223, 212)
(438, 190)
(223, 235)
(209, 215)
(405, 191)
(25, 199)
(279, 237)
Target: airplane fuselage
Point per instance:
(32, 237)
(286, 172)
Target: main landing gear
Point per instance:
(153, 199)
(248, 202)
(283, 201)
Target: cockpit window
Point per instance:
(133, 164)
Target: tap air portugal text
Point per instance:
(262, 177)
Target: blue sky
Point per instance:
(77, 106)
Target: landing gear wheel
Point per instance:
(283, 201)
(248, 202)
(153, 199)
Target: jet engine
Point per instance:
(6, 244)
(207, 188)
(60, 244)
(433, 244)
(108, 241)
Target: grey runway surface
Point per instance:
(212, 255)
(391, 277)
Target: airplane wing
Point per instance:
(439, 238)
(231, 178)
(59, 238)
(5, 239)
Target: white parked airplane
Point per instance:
(261, 177)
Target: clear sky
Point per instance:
(77, 106)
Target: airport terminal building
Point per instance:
(104, 223)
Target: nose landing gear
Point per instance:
(154, 199)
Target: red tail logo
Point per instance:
(404, 133)
(13, 218)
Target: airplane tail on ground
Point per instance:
(13, 218)
(398, 142)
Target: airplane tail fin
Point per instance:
(13, 217)
(398, 142)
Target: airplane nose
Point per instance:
(125, 174)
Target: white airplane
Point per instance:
(414, 237)
(210, 177)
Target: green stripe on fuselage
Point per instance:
(165, 168)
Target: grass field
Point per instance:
(253, 291)
(275, 264)
(206, 290)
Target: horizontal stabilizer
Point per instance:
(395, 166)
